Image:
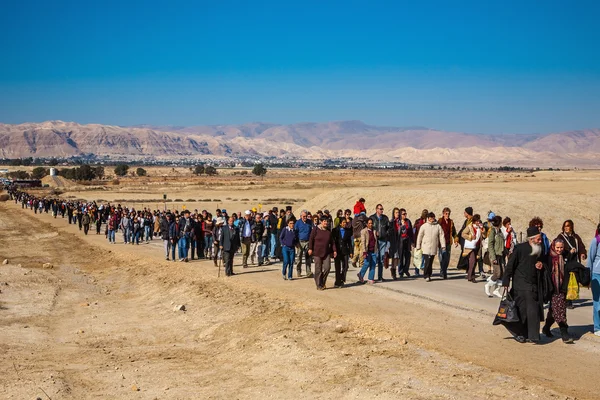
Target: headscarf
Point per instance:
(558, 266)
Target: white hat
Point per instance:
(247, 212)
(220, 220)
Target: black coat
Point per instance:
(396, 240)
(230, 239)
(381, 226)
(521, 269)
(343, 245)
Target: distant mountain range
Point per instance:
(351, 139)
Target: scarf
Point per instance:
(508, 240)
(558, 267)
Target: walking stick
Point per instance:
(220, 262)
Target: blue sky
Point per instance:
(506, 67)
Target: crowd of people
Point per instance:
(539, 270)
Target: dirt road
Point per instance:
(101, 324)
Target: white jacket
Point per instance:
(431, 236)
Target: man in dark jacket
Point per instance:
(198, 238)
(186, 231)
(381, 225)
(229, 241)
(523, 268)
(257, 240)
(342, 236)
(164, 233)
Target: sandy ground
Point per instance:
(101, 324)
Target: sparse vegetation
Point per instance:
(121, 169)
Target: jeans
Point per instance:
(147, 232)
(173, 245)
(167, 246)
(183, 247)
(208, 245)
(369, 263)
(596, 298)
(273, 244)
(289, 254)
(126, 235)
(192, 245)
(382, 247)
(137, 236)
(445, 259)
(111, 236)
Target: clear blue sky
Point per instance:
(511, 66)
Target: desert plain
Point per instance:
(101, 322)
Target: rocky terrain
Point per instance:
(348, 139)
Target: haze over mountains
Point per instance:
(348, 139)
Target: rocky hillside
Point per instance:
(353, 139)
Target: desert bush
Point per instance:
(244, 199)
(116, 182)
(178, 200)
(190, 200)
(216, 200)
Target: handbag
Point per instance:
(507, 311)
(418, 258)
(573, 288)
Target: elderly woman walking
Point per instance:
(557, 310)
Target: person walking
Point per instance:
(522, 269)
(186, 228)
(125, 226)
(430, 240)
(229, 242)
(450, 237)
(164, 224)
(303, 228)
(593, 264)
(207, 230)
(85, 220)
(112, 227)
(358, 224)
(246, 236)
(463, 260)
(321, 247)
(418, 223)
(472, 240)
(496, 256)
(381, 225)
(557, 309)
(368, 248)
(342, 236)
(257, 240)
(288, 239)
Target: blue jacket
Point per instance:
(593, 260)
(303, 229)
(288, 237)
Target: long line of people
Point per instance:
(371, 244)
